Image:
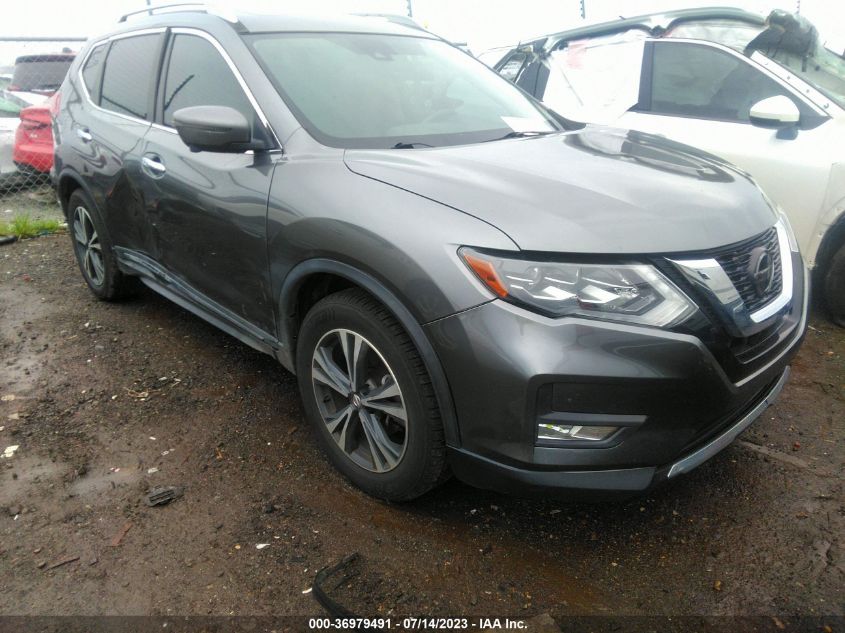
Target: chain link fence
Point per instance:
(31, 71)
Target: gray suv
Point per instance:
(462, 281)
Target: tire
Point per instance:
(93, 250)
(834, 287)
(380, 454)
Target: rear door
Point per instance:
(118, 82)
(701, 94)
(208, 210)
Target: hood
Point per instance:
(597, 190)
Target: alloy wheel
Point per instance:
(88, 246)
(360, 400)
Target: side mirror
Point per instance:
(775, 113)
(214, 129)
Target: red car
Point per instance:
(36, 77)
(33, 151)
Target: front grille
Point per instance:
(735, 261)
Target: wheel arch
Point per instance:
(68, 182)
(313, 279)
(833, 239)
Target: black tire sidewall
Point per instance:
(834, 286)
(112, 278)
(329, 315)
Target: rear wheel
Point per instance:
(834, 286)
(93, 250)
(368, 395)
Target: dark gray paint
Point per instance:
(590, 191)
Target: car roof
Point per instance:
(654, 23)
(272, 23)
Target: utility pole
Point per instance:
(410, 9)
(584, 8)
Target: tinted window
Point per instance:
(92, 71)
(707, 83)
(128, 78)
(198, 75)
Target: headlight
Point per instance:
(631, 293)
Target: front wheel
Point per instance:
(368, 395)
(834, 287)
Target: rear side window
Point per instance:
(92, 72)
(197, 75)
(707, 83)
(128, 78)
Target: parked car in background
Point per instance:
(26, 134)
(763, 93)
(458, 279)
(36, 77)
(33, 151)
(10, 109)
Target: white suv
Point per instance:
(765, 94)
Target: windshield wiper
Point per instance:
(412, 145)
(516, 134)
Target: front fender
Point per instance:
(288, 328)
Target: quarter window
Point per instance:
(706, 83)
(128, 77)
(92, 73)
(198, 76)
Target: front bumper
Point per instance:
(675, 404)
(486, 473)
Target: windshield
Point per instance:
(824, 70)
(356, 90)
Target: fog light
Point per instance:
(574, 432)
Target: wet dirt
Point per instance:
(111, 399)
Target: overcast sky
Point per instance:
(481, 23)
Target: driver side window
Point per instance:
(197, 75)
(699, 81)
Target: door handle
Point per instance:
(84, 135)
(153, 165)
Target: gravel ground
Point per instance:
(106, 400)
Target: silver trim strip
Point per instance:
(785, 296)
(706, 452)
(709, 275)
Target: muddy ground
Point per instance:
(96, 395)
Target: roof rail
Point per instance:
(182, 6)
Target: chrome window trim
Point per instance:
(184, 31)
(104, 42)
(237, 73)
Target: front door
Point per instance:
(209, 210)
